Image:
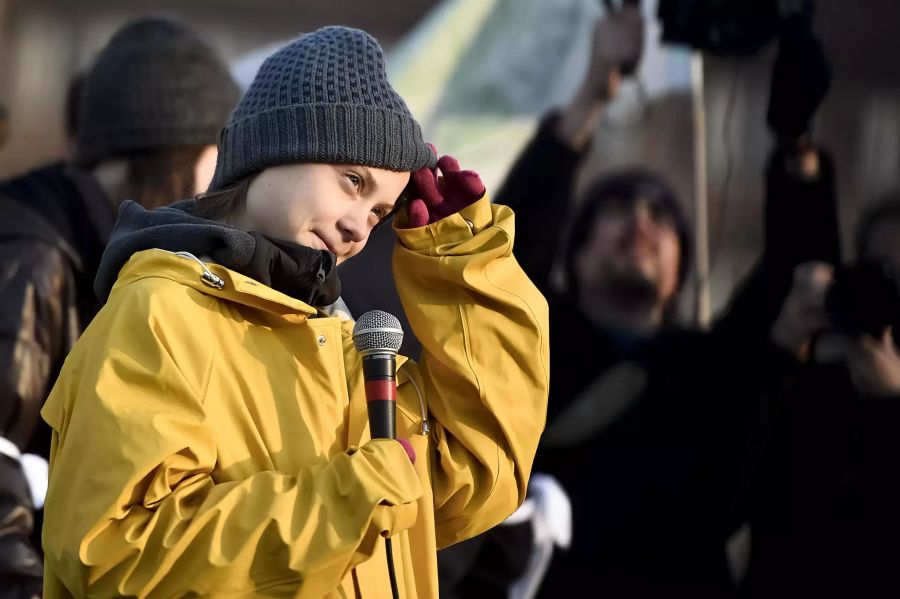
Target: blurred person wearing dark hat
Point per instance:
(148, 114)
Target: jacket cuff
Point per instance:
(393, 483)
(386, 472)
(450, 230)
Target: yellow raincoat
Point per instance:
(215, 441)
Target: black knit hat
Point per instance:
(324, 97)
(154, 84)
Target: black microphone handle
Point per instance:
(380, 375)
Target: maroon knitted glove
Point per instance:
(410, 452)
(438, 196)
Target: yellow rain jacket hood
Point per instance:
(211, 436)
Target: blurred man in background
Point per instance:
(149, 112)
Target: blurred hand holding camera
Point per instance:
(864, 305)
(818, 301)
(874, 365)
(803, 314)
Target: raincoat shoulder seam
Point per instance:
(530, 309)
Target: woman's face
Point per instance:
(323, 206)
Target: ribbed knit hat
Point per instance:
(154, 84)
(324, 97)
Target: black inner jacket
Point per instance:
(301, 272)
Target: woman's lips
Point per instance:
(327, 246)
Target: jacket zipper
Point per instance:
(320, 280)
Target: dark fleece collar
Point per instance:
(295, 270)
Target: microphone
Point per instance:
(377, 335)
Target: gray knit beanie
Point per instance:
(324, 97)
(154, 84)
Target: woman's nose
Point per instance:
(354, 225)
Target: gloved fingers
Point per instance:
(418, 213)
(469, 185)
(458, 184)
(462, 186)
(426, 185)
(410, 451)
(448, 165)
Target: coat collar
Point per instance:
(235, 287)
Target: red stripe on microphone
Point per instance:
(381, 389)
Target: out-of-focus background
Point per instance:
(479, 73)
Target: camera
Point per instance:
(737, 27)
(865, 299)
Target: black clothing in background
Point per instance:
(54, 224)
(654, 491)
(822, 506)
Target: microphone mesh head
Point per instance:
(377, 330)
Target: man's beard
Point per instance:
(630, 286)
(621, 298)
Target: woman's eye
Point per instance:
(380, 212)
(355, 180)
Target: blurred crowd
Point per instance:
(754, 458)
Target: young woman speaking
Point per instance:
(210, 429)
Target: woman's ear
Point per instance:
(205, 168)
